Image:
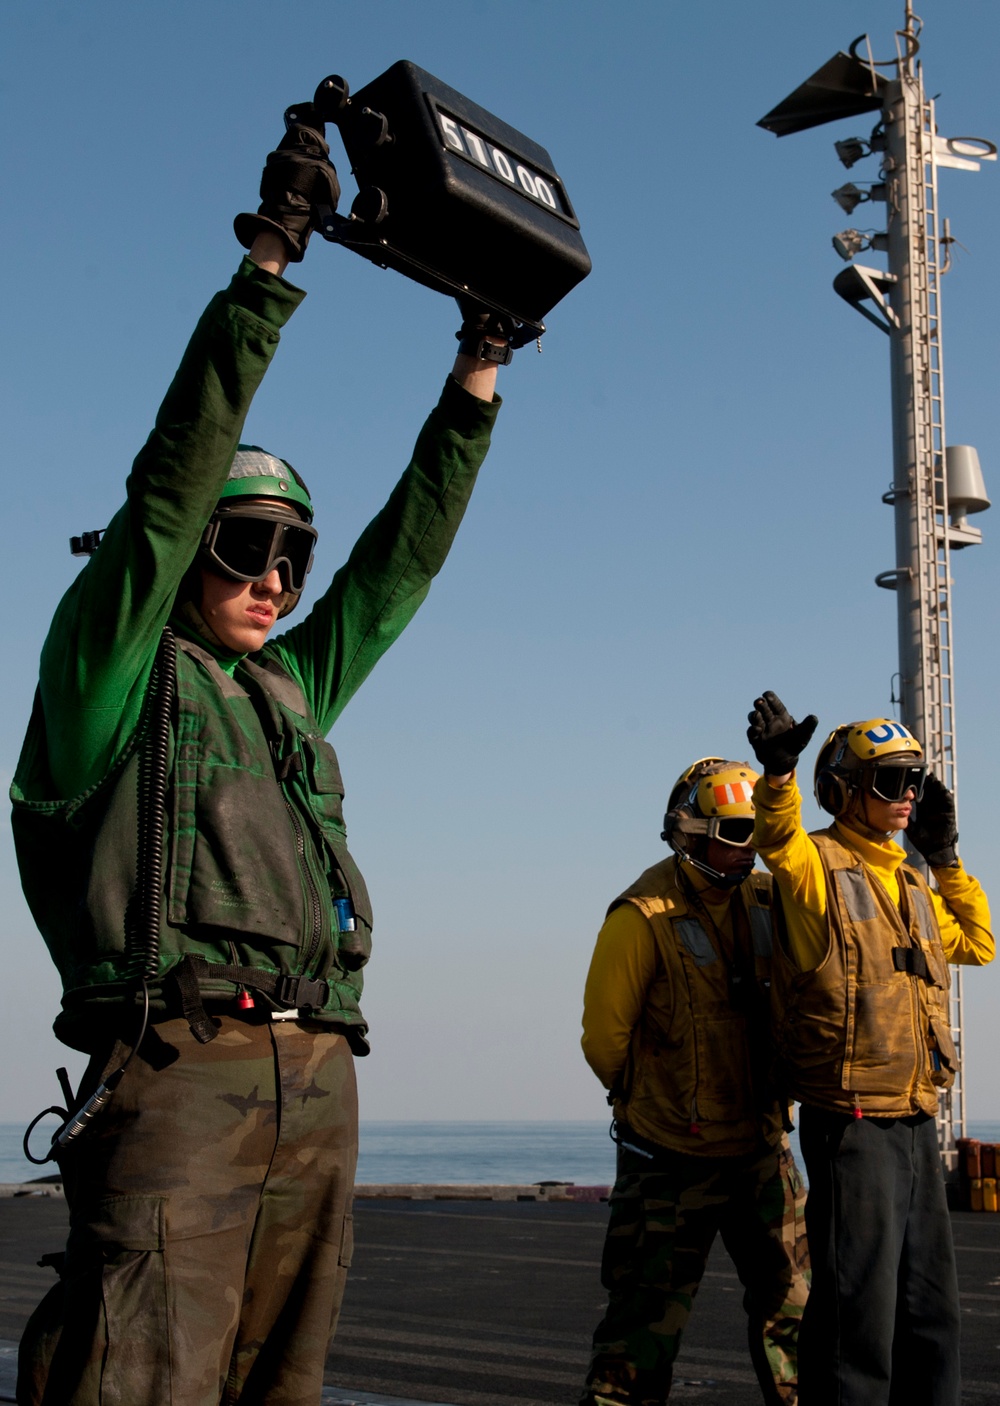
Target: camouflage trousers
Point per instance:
(210, 1225)
(665, 1214)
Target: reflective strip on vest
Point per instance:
(697, 941)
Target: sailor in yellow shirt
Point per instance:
(676, 1026)
(863, 1041)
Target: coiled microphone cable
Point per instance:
(144, 939)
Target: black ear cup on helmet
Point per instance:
(832, 792)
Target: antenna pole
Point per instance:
(909, 35)
(907, 307)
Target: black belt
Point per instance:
(298, 993)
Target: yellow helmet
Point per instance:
(879, 755)
(713, 797)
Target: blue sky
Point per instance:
(680, 509)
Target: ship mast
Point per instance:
(933, 487)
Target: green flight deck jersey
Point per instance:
(256, 847)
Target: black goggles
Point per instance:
(248, 546)
(891, 783)
(733, 829)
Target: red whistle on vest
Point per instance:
(694, 1130)
(857, 1108)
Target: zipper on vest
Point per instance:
(857, 1112)
(317, 911)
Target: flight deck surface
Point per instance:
(491, 1303)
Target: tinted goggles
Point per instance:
(891, 783)
(248, 546)
(733, 829)
(728, 829)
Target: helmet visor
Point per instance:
(891, 783)
(248, 548)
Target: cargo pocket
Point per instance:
(125, 1236)
(346, 1242)
(625, 1238)
(945, 1065)
(937, 968)
(325, 780)
(877, 1058)
(724, 1094)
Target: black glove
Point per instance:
(479, 324)
(298, 181)
(776, 738)
(933, 830)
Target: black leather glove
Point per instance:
(776, 738)
(478, 325)
(298, 181)
(933, 827)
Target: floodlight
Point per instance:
(849, 197)
(850, 242)
(850, 150)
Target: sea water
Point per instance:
(402, 1152)
(468, 1153)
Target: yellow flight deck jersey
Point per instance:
(960, 905)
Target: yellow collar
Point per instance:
(887, 856)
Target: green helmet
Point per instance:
(257, 474)
(262, 522)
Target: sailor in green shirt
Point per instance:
(210, 1200)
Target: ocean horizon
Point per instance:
(419, 1152)
(422, 1151)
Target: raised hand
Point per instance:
(776, 738)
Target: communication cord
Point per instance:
(144, 939)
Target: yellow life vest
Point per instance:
(869, 1028)
(696, 1079)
